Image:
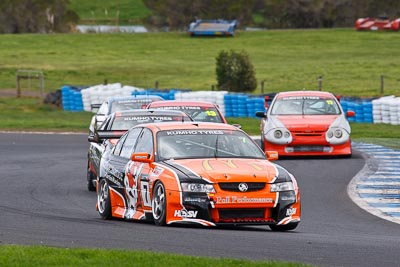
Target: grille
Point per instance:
(308, 149)
(310, 133)
(234, 187)
(240, 213)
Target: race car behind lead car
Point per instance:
(202, 173)
(306, 123)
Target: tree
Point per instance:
(177, 14)
(36, 16)
(235, 72)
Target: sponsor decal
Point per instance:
(157, 171)
(300, 97)
(181, 108)
(185, 213)
(112, 172)
(211, 113)
(195, 132)
(291, 211)
(194, 199)
(238, 200)
(113, 180)
(134, 101)
(140, 157)
(148, 118)
(136, 189)
(288, 198)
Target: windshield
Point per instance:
(197, 113)
(184, 144)
(130, 104)
(305, 105)
(126, 122)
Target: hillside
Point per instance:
(350, 62)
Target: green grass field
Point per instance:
(351, 63)
(45, 256)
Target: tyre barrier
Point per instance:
(380, 110)
(386, 110)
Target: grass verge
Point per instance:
(12, 255)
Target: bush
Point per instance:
(235, 72)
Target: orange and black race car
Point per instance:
(114, 126)
(306, 123)
(199, 173)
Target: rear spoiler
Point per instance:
(94, 107)
(100, 135)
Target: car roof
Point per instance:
(137, 97)
(169, 103)
(190, 126)
(304, 93)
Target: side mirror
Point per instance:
(142, 157)
(350, 113)
(261, 114)
(272, 155)
(94, 137)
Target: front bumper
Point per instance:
(238, 209)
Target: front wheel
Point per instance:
(103, 200)
(282, 228)
(159, 205)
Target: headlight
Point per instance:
(279, 187)
(336, 136)
(197, 188)
(338, 133)
(278, 134)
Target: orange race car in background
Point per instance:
(199, 173)
(306, 123)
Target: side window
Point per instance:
(145, 142)
(129, 143)
(104, 125)
(118, 147)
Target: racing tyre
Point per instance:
(90, 178)
(103, 200)
(159, 204)
(282, 228)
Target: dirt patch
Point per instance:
(13, 92)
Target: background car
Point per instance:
(120, 103)
(198, 173)
(197, 110)
(114, 127)
(304, 123)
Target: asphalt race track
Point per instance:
(44, 201)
